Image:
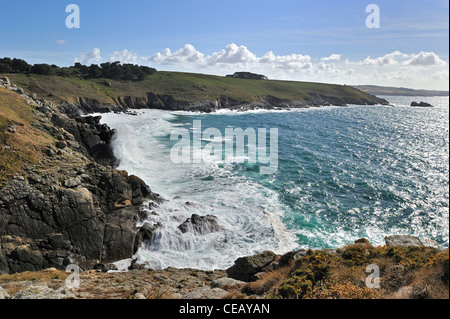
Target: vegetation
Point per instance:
(406, 272)
(20, 142)
(115, 71)
(187, 87)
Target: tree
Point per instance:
(42, 69)
(95, 72)
(5, 68)
(20, 66)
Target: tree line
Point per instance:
(108, 70)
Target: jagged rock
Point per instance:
(245, 268)
(403, 241)
(200, 225)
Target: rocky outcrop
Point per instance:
(200, 225)
(72, 206)
(421, 104)
(245, 268)
(53, 223)
(403, 241)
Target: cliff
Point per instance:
(185, 91)
(61, 201)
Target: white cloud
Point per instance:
(388, 59)
(126, 56)
(91, 57)
(421, 70)
(188, 54)
(425, 58)
(333, 57)
(60, 42)
(232, 54)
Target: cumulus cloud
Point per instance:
(91, 57)
(425, 58)
(188, 54)
(388, 59)
(333, 57)
(60, 42)
(420, 70)
(126, 56)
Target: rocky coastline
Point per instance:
(75, 207)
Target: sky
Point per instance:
(306, 40)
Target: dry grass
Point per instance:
(269, 282)
(24, 147)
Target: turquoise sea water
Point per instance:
(343, 174)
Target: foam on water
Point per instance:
(344, 173)
(250, 214)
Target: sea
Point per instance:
(342, 173)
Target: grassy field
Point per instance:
(25, 145)
(187, 87)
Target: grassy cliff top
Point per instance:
(20, 142)
(186, 87)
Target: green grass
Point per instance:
(187, 87)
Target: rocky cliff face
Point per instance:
(73, 206)
(168, 102)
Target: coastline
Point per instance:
(78, 142)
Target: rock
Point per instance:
(200, 225)
(227, 283)
(4, 80)
(42, 291)
(72, 182)
(145, 235)
(403, 241)
(61, 144)
(288, 258)
(364, 241)
(421, 104)
(105, 268)
(11, 129)
(3, 294)
(245, 268)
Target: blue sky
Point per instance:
(321, 40)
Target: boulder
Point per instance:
(200, 225)
(245, 268)
(403, 241)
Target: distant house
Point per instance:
(248, 75)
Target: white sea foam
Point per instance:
(250, 214)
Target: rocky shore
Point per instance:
(73, 207)
(262, 276)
